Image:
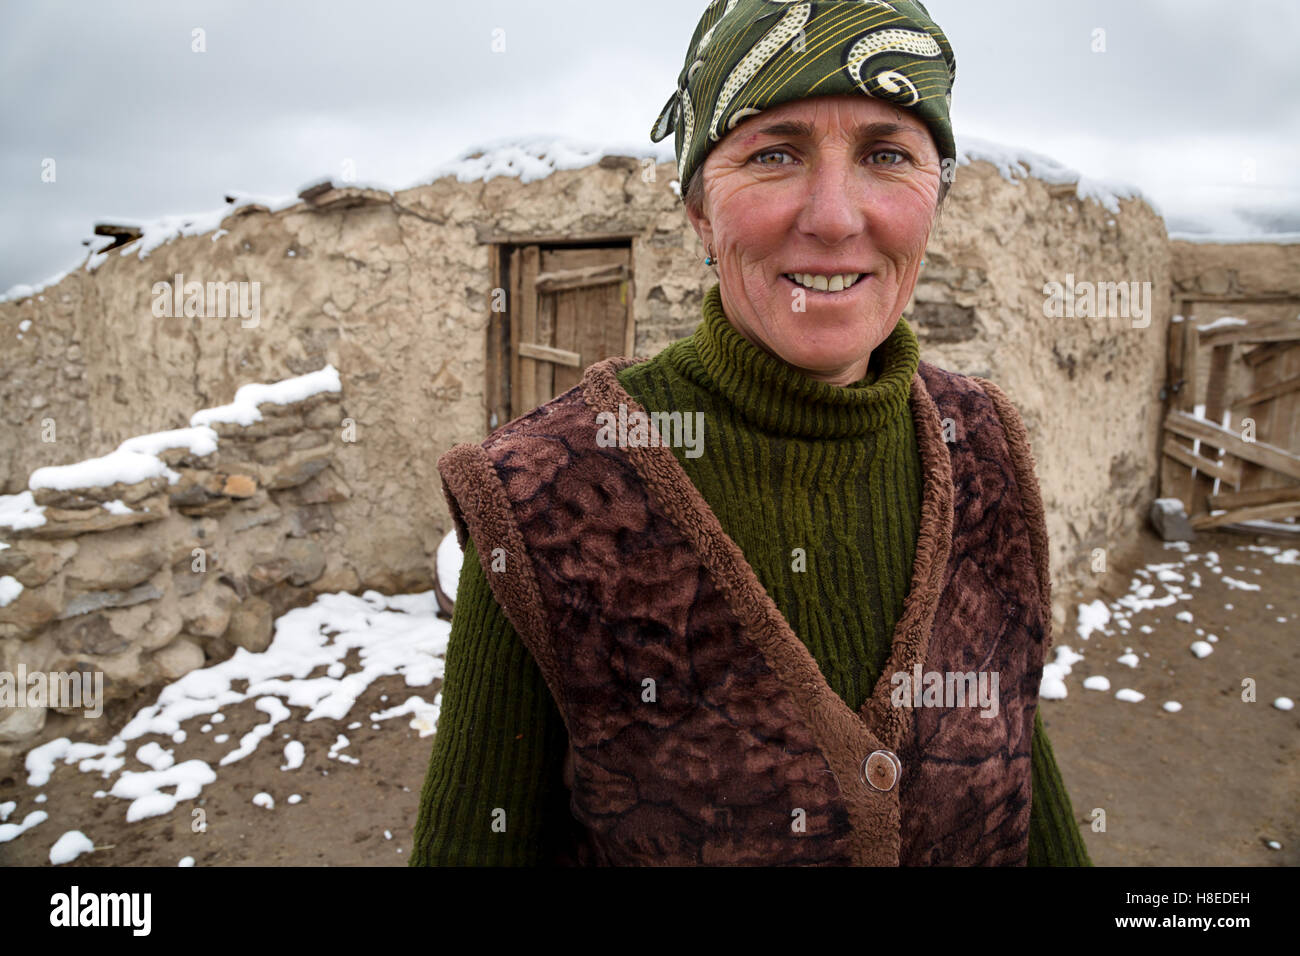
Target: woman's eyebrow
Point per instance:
(798, 129)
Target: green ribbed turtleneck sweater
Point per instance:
(788, 463)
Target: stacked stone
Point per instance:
(192, 571)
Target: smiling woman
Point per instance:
(819, 211)
(769, 652)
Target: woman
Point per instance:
(727, 657)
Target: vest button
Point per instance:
(881, 770)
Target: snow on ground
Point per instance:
(70, 846)
(304, 669)
(9, 831)
(1154, 587)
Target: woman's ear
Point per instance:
(700, 223)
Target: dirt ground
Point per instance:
(340, 821)
(1211, 784)
(1206, 786)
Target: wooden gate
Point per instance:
(1255, 456)
(567, 306)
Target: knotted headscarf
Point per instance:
(748, 55)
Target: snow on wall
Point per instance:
(534, 157)
(1015, 163)
(137, 459)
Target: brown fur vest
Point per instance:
(615, 572)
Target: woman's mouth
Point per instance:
(830, 284)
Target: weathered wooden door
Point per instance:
(1257, 453)
(569, 306)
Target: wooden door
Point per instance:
(570, 306)
(1257, 468)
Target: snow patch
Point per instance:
(70, 846)
(10, 588)
(1015, 163)
(448, 563)
(21, 511)
(243, 410)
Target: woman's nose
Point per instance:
(833, 206)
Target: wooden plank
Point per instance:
(544, 353)
(1288, 407)
(1275, 421)
(1263, 353)
(1268, 393)
(486, 235)
(514, 306)
(496, 356)
(525, 398)
(1261, 453)
(566, 336)
(1216, 389)
(581, 278)
(1260, 496)
(1262, 512)
(1283, 330)
(546, 338)
(1176, 476)
(1225, 469)
(1202, 483)
(629, 329)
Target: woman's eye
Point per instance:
(901, 157)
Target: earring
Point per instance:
(709, 260)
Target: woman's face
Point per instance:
(826, 186)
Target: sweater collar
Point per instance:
(781, 399)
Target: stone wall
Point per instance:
(149, 580)
(395, 291)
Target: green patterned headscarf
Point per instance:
(748, 55)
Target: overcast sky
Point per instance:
(1195, 102)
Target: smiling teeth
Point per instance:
(835, 283)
